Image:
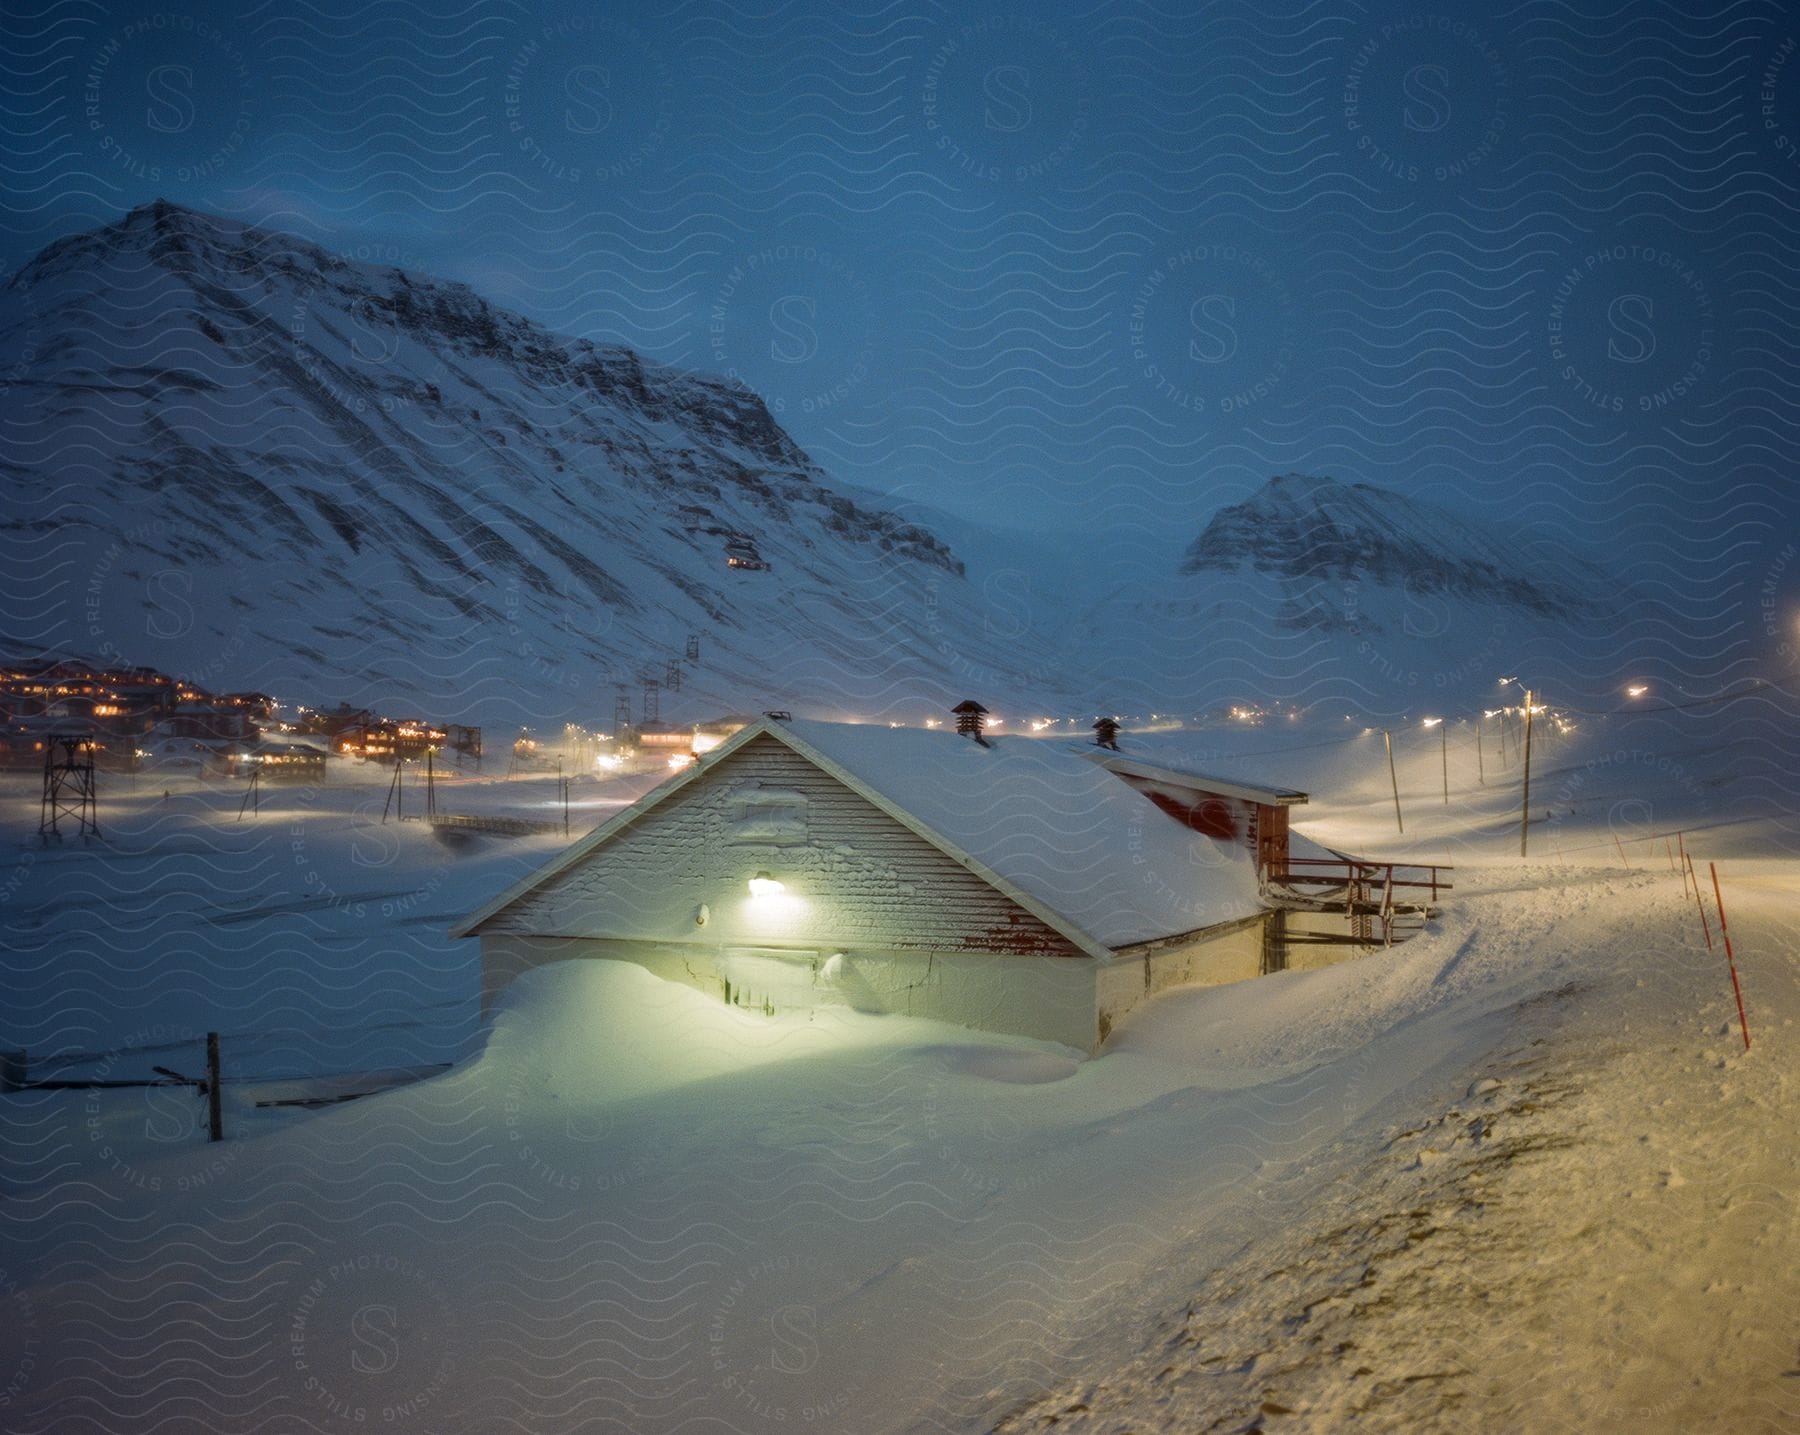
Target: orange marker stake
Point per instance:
(1730, 961)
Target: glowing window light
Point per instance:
(763, 885)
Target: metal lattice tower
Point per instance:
(672, 678)
(69, 789)
(693, 647)
(652, 699)
(621, 711)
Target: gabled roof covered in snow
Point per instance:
(1040, 822)
(1183, 776)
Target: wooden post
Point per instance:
(1681, 864)
(1700, 902)
(1444, 755)
(1621, 846)
(1525, 808)
(430, 785)
(1388, 738)
(215, 1122)
(1730, 960)
(1480, 763)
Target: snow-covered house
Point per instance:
(1014, 886)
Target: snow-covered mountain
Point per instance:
(1315, 591)
(233, 455)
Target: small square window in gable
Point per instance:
(766, 817)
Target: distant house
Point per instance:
(1013, 885)
(215, 721)
(280, 762)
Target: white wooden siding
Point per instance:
(858, 879)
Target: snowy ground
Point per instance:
(1517, 1174)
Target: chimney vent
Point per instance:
(971, 717)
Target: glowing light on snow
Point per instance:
(706, 742)
(763, 885)
(681, 760)
(608, 760)
(1432, 722)
(1637, 690)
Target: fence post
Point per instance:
(214, 1115)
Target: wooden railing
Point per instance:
(1365, 892)
(1344, 872)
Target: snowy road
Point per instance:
(1598, 1231)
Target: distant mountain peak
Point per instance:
(1308, 527)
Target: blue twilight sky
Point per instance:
(1094, 267)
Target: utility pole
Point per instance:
(1444, 753)
(1525, 809)
(1388, 738)
(1480, 764)
(396, 798)
(215, 1116)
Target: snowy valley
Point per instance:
(1518, 1171)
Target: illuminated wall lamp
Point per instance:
(763, 885)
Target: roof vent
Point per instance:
(1106, 733)
(971, 718)
(779, 715)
